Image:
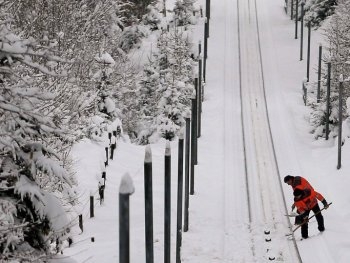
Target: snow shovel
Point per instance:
(307, 220)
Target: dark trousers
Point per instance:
(304, 228)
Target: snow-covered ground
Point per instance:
(220, 228)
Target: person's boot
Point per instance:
(304, 232)
(321, 228)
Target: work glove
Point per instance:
(325, 204)
(301, 219)
(293, 206)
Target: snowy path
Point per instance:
(249, 166)
(238, 191)
(265, 195)
(252, 195)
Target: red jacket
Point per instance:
(304, 204)
(303, 184)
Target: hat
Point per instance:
(297, 192)
(288, 177)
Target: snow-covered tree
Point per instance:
(153, 18)
(183, 12)
(169, 77)
(337, 34)
(131, 37)
(148, 94)
(316, 11)
(136, 9)
(33, 182)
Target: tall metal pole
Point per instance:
(193, 142)
(328, 97)
(340, 126)
(179, 198)
(125, 190)
(148, 205)
(319, 73)
(187, 171)
(208, 8)
(92, 214)
(206, 25)
(308, 50)
(195, 126)
(302, 30)
(205, 50)
(296, 19)
(199, 97)
(207, 14)
(167, 203)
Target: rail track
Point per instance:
(257, 174)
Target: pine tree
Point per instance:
(33, 182)
(148, 94)
(316, 11)
(173, 85)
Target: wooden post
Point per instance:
(167, 203)
(126, 189)
(148, 205)
(291, 9)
